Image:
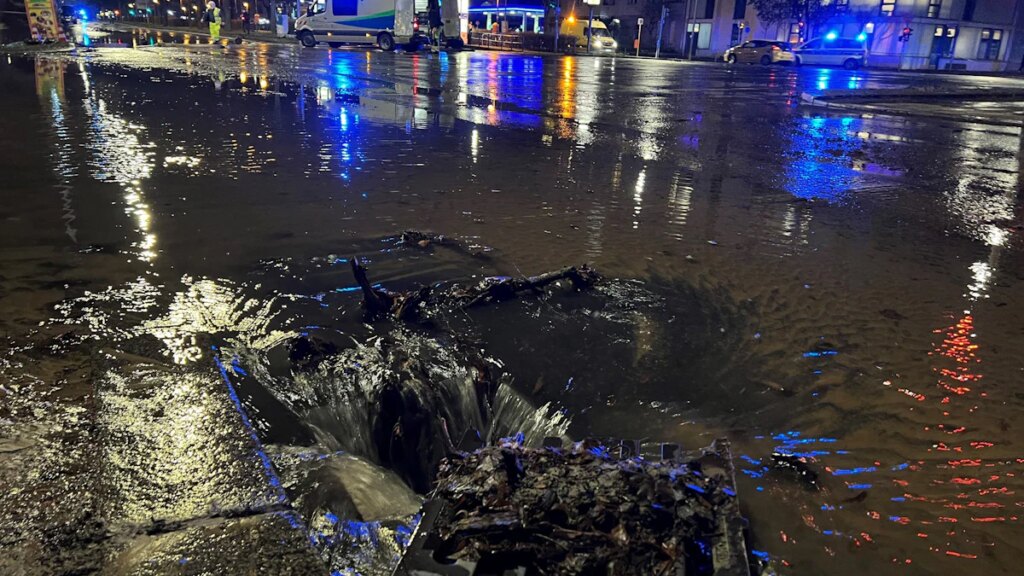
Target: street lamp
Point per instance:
(590, 22)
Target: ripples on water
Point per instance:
(857, 307)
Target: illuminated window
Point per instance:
(794, 33)
(887, 7)
(933, 8)
(990, 43)
(704, 38)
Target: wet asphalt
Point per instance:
(840, 285)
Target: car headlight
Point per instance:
(615, 44)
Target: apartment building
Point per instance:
(983, 35)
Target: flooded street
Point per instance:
(188, 381)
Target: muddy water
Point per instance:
(842, 287)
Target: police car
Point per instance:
(830, 50)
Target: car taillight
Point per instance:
(415, 25)
(775, 48)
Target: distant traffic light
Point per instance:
(905, 36)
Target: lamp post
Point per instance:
(590, 23)
(661, 27)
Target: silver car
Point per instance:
(764, 52)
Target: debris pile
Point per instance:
(425, 300)
(582, 511)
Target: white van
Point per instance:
(385, 23)
(603, 41)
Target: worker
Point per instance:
(246, 18)
(213, 18)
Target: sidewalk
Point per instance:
(583, 52)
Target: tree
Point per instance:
(651, 13)
(817, 12)
(771, 12)
(811, 12)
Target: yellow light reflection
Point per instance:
(206, 307)
(568, 92)
(120, 156)
(181, 452)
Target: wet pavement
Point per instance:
(839, 285)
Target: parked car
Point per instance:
(849, 53)
(763, 51)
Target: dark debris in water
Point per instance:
(428, 301)
(581, 511)
(427, 241)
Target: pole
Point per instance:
(952, 45)
(558, 24)
(1014, 34)
(590, 29)
(639, 34)
(661, 28)
(686, 23)
(903, 55)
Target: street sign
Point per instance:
(639, 34)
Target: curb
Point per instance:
(876, 106)
(875, 95)
(19, 48)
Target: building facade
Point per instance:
(982, 35)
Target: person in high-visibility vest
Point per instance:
(212, 16)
